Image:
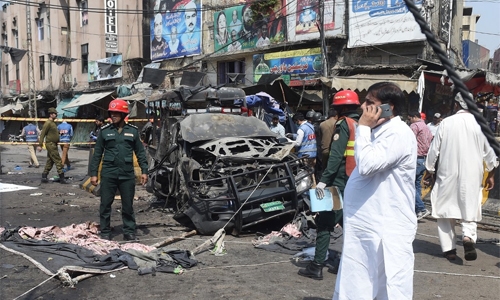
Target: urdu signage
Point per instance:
(110, 27)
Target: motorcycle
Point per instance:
(15, 138)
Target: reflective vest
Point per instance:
(65, 132)
(31, 133)
(350, 162)
(308, 145)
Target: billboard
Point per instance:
(105, 69)
(304, 19)
(381, 22)
(110, 27)
(294, 66)
(236, 28)
(176, 29)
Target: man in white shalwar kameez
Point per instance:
(461, 148)
(379, 204)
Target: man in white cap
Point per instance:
(433, 126)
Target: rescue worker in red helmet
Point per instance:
(340, 165)
(115, 146)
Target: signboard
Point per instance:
(110, 28)
(296, 66)
(14, 87)
(105, 69)
(381, 22)
(445, 20)
(176, 29)
(304, 19)
(236, 29)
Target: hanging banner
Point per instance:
(106, 68)
(296, 66)
(381, 22)
(176, 29)
(236, 28)
(110, 28)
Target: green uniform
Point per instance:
(51, 136)
(333, 175)
(116, 150)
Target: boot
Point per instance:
(44, 178)
(313, 270)
(62, 180)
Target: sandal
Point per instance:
(450, 255)
(469, 250)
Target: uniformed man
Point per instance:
(116, 144)
(51, 136)
(305, 141)
(340, 165)
(31, 133)
(65, 136)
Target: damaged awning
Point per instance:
(362, 82)
(15, 107)
(477, 81)
(135, 97)
(87, 99)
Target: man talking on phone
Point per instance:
(379, 203)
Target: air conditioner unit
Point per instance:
(67, 78)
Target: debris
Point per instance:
(74, 205)
(17, 168)
(70, 194)
(15, 173)
(173, 239)
(112, 275)
(4, 276)
(7, 266)
(49, 259)
(36, 194)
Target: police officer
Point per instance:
(116, 144)
(31, 133)
(51, 136)
(340, 165)
(65, 136)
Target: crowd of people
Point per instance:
(379, 164)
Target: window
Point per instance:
(39, 24)
(16, 37)
(229, 72)
(84, 11)
(7, 74)
(42, 67)
(4, 39)
(85, 58)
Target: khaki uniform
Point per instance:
(116, 149)
(51, 136)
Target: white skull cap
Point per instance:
(461, 100)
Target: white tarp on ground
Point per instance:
(8, 187)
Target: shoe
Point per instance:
(106, 236)
(129, 237)
(69, 168)
(450, 255)
(44, 178)
(313, 270)
(333, 270)
(469, 250)
(30, 166)
(37, 166)
(62, 179)
(422, 214)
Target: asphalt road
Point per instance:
(243, 273)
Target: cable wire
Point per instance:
(453, 75)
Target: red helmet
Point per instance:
(423, 116)
(346, 97)
(118, 105)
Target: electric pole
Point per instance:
(31, 69)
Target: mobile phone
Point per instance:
(386, 111)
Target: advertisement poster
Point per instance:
(295, 66)
(110, 27)
(176, 29)
(105, 69)
(236, 28)
(381, 22)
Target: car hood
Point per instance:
(205, 127)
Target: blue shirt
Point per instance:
(65, 132)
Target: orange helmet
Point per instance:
(346, 97)
(118, 105)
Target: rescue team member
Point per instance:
(305, 140)
(379, 204)
(340, 165)
(327, 129)
(31, 133)
(116, 144)
(51, 136)
(66, 134)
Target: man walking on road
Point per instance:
(340, 165)
(51, 136)
(433, 126)
(379, 204)
(424, 139)
(461, 148)
(31, 133)
(116, 145)
(66, 134)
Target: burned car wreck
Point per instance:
(227, 170)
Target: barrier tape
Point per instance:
(60, 120)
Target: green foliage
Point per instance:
(263, 8)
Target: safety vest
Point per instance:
(65, 132)
(350, 162)
(31, 133)
(308, 145)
